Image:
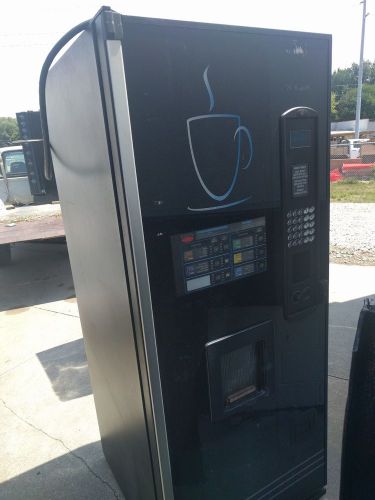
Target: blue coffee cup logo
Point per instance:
(214, 141)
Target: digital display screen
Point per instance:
(300, 139)
(217, 255)
(300, 180)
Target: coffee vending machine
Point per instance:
(192, 167)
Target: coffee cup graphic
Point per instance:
(217, 149)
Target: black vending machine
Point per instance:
(192, 166)
(29, 126)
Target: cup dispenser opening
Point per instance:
(240, 370)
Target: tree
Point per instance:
(8, 130)
(346, 105)
(343, 79)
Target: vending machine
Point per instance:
(192, 167)
(29, 126)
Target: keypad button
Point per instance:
(290, 237)
(306, 218)
(311, 210)
(290, 244)
(306, 240)
(289, 214)
(290, 229)
(299, 211)
(289, 222)
(294, 213)
(295, 221)
(312, 216)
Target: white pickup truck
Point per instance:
(14, 181)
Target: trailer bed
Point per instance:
(39, 222)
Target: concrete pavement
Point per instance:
(49, 438)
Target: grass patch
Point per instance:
(353, 191)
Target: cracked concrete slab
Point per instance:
(38, 429)
(49, 437)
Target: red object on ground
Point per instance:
(335, 175)
(349, 167)
(188, 238)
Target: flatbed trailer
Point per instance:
(28, 223)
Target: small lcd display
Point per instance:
(300, 139)
(220, 254)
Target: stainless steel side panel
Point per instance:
(122, 117)
(81, 157)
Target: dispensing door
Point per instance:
(300, 209)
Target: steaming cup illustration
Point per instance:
(216, 149)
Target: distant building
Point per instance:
(345, 129)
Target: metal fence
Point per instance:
(352, 162)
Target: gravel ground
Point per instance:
(30, 212)
(352, 234)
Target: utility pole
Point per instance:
(360, 72)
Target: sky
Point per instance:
(29, 28)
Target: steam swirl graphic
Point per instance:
(209, 90)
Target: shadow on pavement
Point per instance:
(67, 370)
(80, 474)
(39, 273)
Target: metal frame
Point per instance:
(125, 144)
